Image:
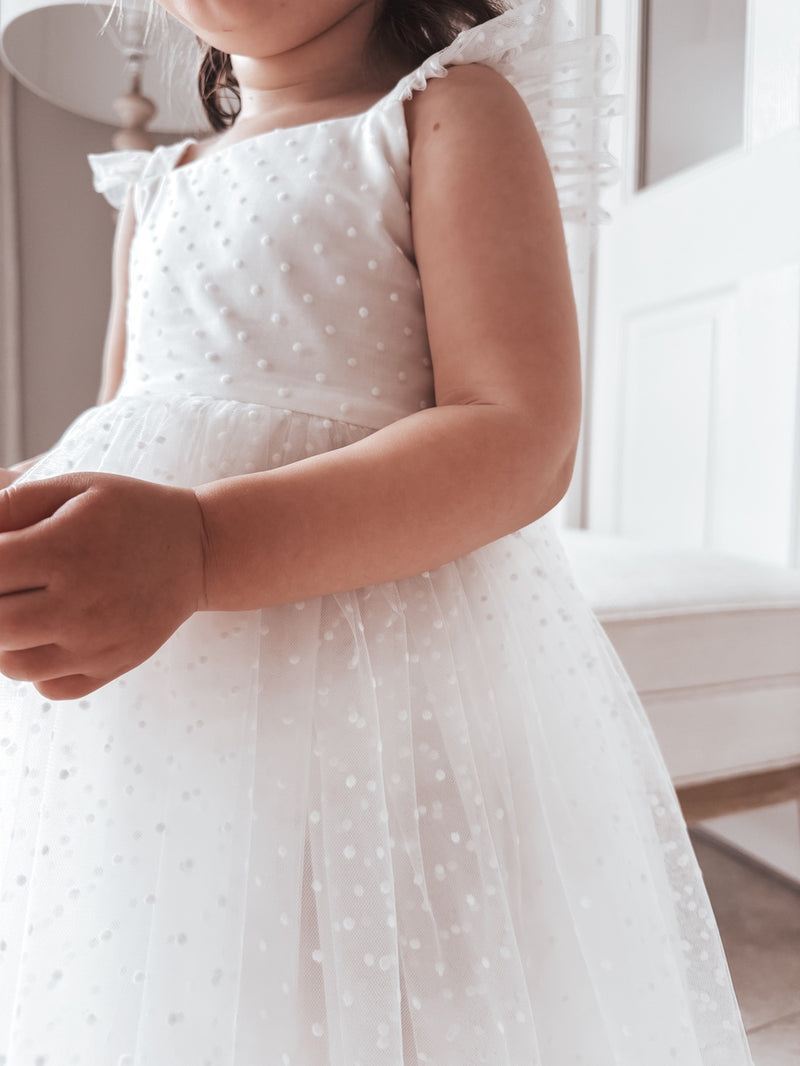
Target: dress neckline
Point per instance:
(178, 149)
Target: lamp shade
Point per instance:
(56, 49)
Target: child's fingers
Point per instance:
(23, 564)
(73, 687)
(54, 670)
(25, 505)
(27, 620)
(60, 673)
(37, 664)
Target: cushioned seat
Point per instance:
(712, 644)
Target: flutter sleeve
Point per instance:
(115, 172)
(564, 80)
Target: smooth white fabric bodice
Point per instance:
(280, 270)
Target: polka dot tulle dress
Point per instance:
(420, 823)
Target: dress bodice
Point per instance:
(280, 270)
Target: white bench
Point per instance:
(712, 644)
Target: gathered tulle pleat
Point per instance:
(420, 823)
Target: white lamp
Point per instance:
(60, 50)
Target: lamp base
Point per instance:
(135, 112)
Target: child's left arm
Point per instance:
(102, 569)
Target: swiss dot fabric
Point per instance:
(420, 824)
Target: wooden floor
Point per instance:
(759, 919)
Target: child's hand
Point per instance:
(96, 572)
(7, 477)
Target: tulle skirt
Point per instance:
(421, 823)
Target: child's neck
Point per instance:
(323, 77)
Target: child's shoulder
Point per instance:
(472, 99)
(465, 78)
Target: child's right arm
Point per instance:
(114, 349)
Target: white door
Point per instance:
(693, 434)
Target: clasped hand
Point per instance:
(96, 572)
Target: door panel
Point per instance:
(697, 313)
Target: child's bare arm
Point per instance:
(497, 451)
(114, 350)
(93, 589)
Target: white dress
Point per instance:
(420, 823)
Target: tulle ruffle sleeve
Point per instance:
(564, 80)
(115, 172)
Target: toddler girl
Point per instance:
(308, 758)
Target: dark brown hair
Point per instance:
(405, 30)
